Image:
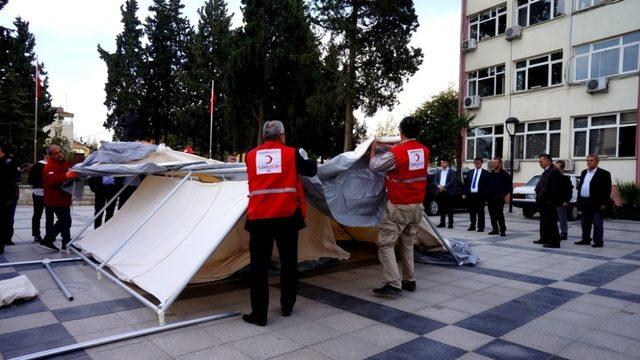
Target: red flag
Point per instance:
(212, 101)
(38, 82)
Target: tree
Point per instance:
(387, 127)
(371, 37)
(124, 87)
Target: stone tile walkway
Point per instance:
(521, 302)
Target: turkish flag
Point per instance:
(212, 101)
(38, 82)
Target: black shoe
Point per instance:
(47, 246)
(481, 230)
(502, 233)
(409, 285)
(598, 245)
(64, 245)
(286, 311)
(471, 228)
(540, 241)
(37, 238)
(563, 237)
(10, 243)
(251, 319)
(582, 242)
(554, 246)
(493, 232)
(441, 225)
(450, 226)
(387, 290)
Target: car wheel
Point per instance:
(528, 213)
(432, 208)
(572, 213)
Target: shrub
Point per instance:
(629, 194)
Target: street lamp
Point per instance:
(510, 125)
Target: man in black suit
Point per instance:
(594, 195)
(498, 187)
(566, 193)
(445, 181)
(475, 188)
(548, 197)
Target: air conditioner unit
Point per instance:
(507, 165)
(514, 32)
(600, 84)
(469, 45)
(472, 102)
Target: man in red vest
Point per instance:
(276, 212)
(406, 167)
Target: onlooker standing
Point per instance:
(499, 186)
(566, 193)
(133, 183)
(445, 180)
(104, 189)
(475, 189)
(548, 198)
(56, 173)
(594, 195)
(8, 195)
(37, 195)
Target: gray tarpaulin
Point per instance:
(120, 153)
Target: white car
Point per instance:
(525, 197)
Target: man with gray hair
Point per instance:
(594, 196)
(276, 212)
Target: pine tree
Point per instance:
(372, 38)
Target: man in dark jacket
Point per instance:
(104, 188)
(499, 186)
(8, 194)
(475, 192)
(566, 193)
(37, 195)
(594, 195)
(54, 175)
(445, 181)
(548, 197)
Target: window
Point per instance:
(531, 12)
(538, 72)
(535, 138)
(490, 23)
(583, 4)
(485, 142)
(608, 57)
(611, 135)
(486, 82)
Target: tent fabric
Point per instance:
(16, 288)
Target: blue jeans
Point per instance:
(562, 220)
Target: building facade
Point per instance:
(566, 69)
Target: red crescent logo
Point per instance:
(270, 159)
(417, 157)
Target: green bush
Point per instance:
(629, 194)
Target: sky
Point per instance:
(67, 34)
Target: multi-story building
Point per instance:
(566, 69)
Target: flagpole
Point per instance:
(211, 105)
(35, 126)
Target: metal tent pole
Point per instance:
(124, 336)
(37, 262)
(54, 275)
(443, 240)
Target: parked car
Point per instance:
(430, 203)
(524, 197)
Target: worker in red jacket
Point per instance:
(55, 174)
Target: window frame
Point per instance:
(589, 127)
(552, 13)
(546, 130)
(621, 46)
(528, 66)
(475, 138)
(592, 4)
(476, 20)
(477, 79)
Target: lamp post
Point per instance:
(510, 125)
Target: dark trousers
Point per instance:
(125, 195)
(548, 224)
(61, 227)
(12, 215)
(592, 217)
(475, 203)
(444, 206)
(496, 214)
(102, 197)
(38, 209)
(5, 231)
(261, 247)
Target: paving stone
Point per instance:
(556, 327)
(444, 314)
(309, 333)
(501, 349)
(345, 322)
(142, 350)
(383, 335)
(582, 351)
(306, 354)
(573, 286)
(222, 352)
(93, 324)
(265, 346)
(421, 348)
(27, 322)
(234, 330)
(346, 347)
(473, 356)
(612, 342)
(186, 342)
(538, 340)
(459, 337)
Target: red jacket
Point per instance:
(53, 176)
(406, 184)
(275, 190)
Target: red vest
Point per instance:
(275, 189)
(407, 183)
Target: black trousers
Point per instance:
(125, 195)
(476, 210)
(12, 215)
(5, 228)
(102, 197)
(38, 209)
(592, 217)
(548, 224)
(261, 247)
(61, 227)
(444, 206)
(496, 214)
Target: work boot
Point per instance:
(387, 290)
(252, 319)
(582, 242)
(409, 285)
(441, 225)
(493, 232)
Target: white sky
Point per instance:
(67, 33)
